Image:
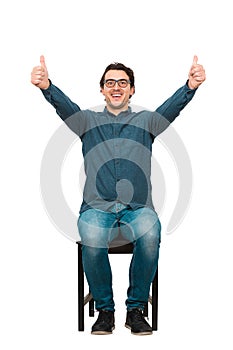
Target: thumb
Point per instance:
(42, 61)
(195, 59)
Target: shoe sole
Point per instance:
(139, 333)
(102, 332)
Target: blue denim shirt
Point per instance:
(117, 149)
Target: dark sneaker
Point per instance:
(137, 323)
(104, 323)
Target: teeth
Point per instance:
(117, 95)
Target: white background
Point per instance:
(38, 304)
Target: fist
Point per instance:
(196, 74)
(39, 75)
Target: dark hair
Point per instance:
(118, 66)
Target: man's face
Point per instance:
(116, 97)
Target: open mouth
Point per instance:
(116, 96)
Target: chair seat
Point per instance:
(121, 247)
(118, 246)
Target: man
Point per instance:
(117, 145)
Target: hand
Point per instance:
(39, 75)
(196, 74)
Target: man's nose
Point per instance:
(116, 86)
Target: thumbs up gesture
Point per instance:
(196, 74)
(39, 75)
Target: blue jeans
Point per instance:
(97, 229)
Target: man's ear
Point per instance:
(132, 91)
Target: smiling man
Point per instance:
(117, 145)
(117, 85)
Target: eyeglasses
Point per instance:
(122, 83)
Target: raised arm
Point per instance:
(172, 107)
(62, 103)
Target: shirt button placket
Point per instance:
(116, 152)
(117, 157)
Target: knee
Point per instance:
(91, 233)
(150, 236)
(93, 253)
(150, 228)
(153, 236)
(95, 241)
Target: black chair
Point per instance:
(117, 246)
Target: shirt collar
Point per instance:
(124, 113)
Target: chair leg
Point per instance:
(155, 303)
(80, 290)
(145, 312)
(91, 307)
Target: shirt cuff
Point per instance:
(188, 90)
(47, 92)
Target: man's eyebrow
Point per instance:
(117, 79)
